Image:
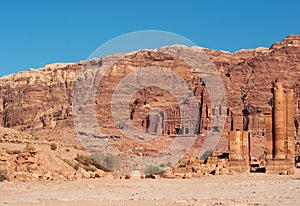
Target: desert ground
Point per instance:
(239, 189)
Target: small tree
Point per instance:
(53, 146)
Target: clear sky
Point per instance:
(35, 33)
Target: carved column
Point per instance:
(269, 136)
(279, 121)
(290, 129)
(235, 145)
(245, 145)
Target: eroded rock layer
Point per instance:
(42, 99)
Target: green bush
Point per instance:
(106, 162)
(97, 161)
(3, 175)
(89, 168)
(76, 166)
(110, 162)
(152, 170)
(85, 160)
(72, 164)
(53, 146)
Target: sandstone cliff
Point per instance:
(42, 98)
(39, 101)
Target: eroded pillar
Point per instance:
(245, 145)
(235, 145)
(279, 126)
(269, 136)
(290, 129)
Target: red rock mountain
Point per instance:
(41, 99)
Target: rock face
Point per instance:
(42, 99)
(248, 78)
(38, 99)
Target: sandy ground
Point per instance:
(251, 189)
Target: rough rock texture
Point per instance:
(38, 98)
(41, 100)
(40, 156)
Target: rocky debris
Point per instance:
(25, 165)
(12, 136)
(215, 164)
(81, 173)
(33, 159)
(19, 162)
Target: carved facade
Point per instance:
(182, 120)
(281, 153)
(190, 117)
(279, 131)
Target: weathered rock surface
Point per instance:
(41, 100)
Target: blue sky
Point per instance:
(35, 33)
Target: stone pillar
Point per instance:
(290, 129)
(279, 121)
(283, 132)
(239, 152)
(285, 142)
(235, 145)
(237, 122)
(269, 136)
(245, 146)
(173, 130)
